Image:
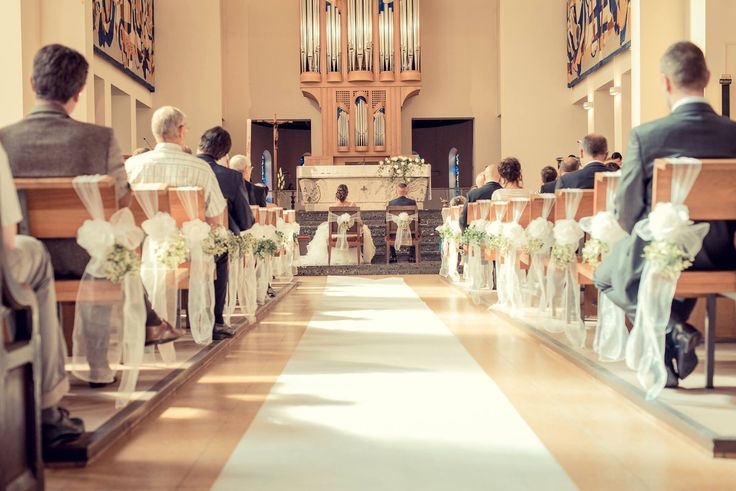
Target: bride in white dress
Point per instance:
(317, 248)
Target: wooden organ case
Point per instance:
(360, 61)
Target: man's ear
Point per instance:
(667, 83)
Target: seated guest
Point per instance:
(242, 164)
(491, 178)
(594, 152)
(612, 167)
(616, 158)
(141, 150)
(260, 191)
(458, 200)
(29, 263)
(693, 129)
(568, 164)
(509, 171)
(214, 146)
(549, 174)
(49, 143)
(168, 164)
(402, 190)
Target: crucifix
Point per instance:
(275, 123)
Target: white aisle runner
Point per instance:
(380, 395)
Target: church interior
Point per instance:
(367, 244)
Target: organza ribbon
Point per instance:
(514, 239)
(201, 305)
(290, 232)
(159, 281)
(444, 242)
(106, 330)
(403, 231)
(611, 332)
(247, 287)
(452, 249)
(494, 232)
(234, 273)
(344, 222)
(263, 268)
(563, 289)
(539, 232)
(667, 223)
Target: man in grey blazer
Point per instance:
(49, 143)
(693, 129)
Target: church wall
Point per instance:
(460, 75)
(538, 121)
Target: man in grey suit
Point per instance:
(49, 143)
(594, 154)
(693, 129)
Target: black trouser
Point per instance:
(412, 252)
(221, 263)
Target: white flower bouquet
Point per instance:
(216, 242)
(173, 252)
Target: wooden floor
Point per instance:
(602, 441)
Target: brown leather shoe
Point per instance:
(162, 333)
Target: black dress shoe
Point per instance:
(393, 260)
(271, 292)
(64, 430)
(100, 385)
(222, 331)
(685, 339)
(669, 363)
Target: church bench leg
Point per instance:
(710, 340)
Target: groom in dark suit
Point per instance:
(693, 129)
(402, 190)
(594, 153)
(486, 191)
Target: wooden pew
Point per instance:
(600, 191)
(147, 191)
(584, 210)
(711, 198)
(21, 463)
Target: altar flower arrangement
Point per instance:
(216, 242)
(173, 252)
(398, 169)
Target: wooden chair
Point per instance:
(415, 228)
(354, 234)
(21, 464)
(711, 199)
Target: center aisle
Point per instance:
(379, 394)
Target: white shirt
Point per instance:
(169, 164)
(10, 213)
(691, 99)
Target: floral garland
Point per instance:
(399, 169)
(563, 255)
(265, 247)
(121, 262)
(667, 258)
(593, 250)
(172, 253)
(216, 243)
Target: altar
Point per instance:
(317, 185)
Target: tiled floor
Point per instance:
(601, 439)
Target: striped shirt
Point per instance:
(169, 164)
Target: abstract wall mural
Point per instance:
(124, 34)
(597, 30)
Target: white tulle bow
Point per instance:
(160, 227)
(567, 232)
(195, 231)
(98, 237)
(514, 234)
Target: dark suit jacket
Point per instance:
(48, 143)
(402, 201)
(484, 192)
(251, 193)
(583, 178)
(259, 195)
(232, 185)
(693, 130)
(548, 187)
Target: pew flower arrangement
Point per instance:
(216, 242)
(593, 250)
(539, 235)
(121, 262)
(567, 234)
(494, 233)
(667, 258)
(234, 246)
(265, 247)
(473, 236)
(173, 252)
(248, 243)
(281, 239)
(446, 232)
(398, 169)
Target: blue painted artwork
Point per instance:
(597, 30)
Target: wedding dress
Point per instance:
(317, 250)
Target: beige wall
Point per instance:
(460, 73)
(538, 121)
